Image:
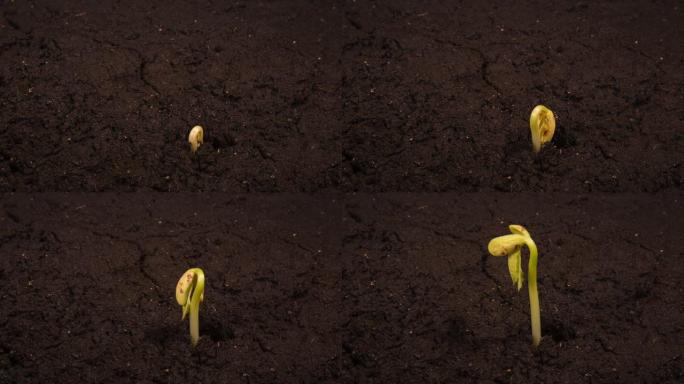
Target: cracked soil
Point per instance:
(358, 157)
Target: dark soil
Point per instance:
(388, 288)
(348, 96)
(397, 133)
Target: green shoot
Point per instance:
(542, 126)
(189, 294)
(511, 246)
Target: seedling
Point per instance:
(196, 138)
(189, 294)
(542, 125)
(511, 246)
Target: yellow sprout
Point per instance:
(542, 125)
(511, 246)
(189, 294)
(196, 138)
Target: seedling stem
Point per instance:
(189, 294)
(511, 246)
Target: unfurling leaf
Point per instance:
(515, 267)
(505, 245)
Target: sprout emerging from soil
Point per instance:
(511, 246)
(542, 125)
(196, 138)
(189, 294)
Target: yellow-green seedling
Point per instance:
(196, 138)
(542, 125)
(511, 246)
(189, 294)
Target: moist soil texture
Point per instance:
(358, 156)
(382, 288)
(351, 96)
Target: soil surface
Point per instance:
(396, 134)
(388, 288)
(346, 96)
